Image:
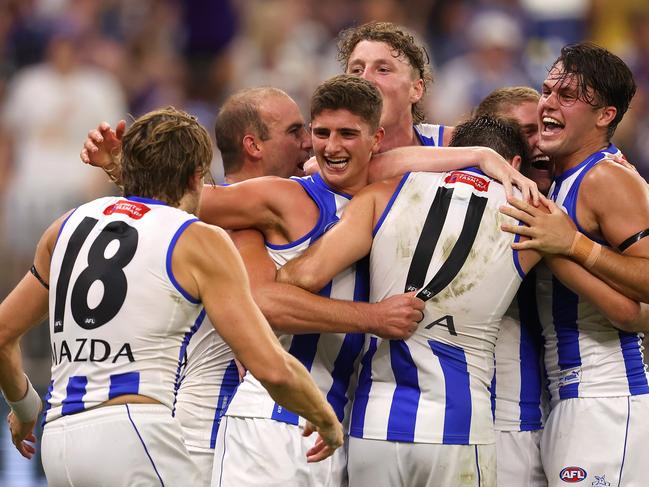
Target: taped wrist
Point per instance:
(584, 250)
(27, 408)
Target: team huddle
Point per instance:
(431, 306)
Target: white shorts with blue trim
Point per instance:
(252, 452)
(600, 441)
(123, 445)
(382, 463)
(518, 455)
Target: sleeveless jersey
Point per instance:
(208, 379)
(518, 393)
(430, 135)
(118, 317)
(440, 234)
(331, 358)
(585, 355)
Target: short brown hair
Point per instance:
(503, 99)
(161, 151)
(403, 44)
(347, 92)
(240, 115)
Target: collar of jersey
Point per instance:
(591, 158)
(147, 201)
(321, 182)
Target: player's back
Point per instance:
(440, 235)
(119, 319)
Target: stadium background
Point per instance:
(65, 65)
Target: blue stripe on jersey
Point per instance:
(516, 256)
(76, 389)
(303, 348)
(530, 355)
(635, 370)
(170, 251)
(359, 406)
(48, 405)
(457, 417)
(182, 356)
(405, 400)
(390, 203)
(121, 384)
(564, 315)
(342, 372)
(492, 391)
(229, 384)
(440, 137)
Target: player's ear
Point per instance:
(416, 90)
(251, 147)
(516, 162)
(378, 138)
(607, 116)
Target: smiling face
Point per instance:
(571, 128)
(289, 144)
(343, 144)
(394, 77)
(540, 168)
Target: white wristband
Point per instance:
(28, 408)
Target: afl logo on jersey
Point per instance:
(573, 475)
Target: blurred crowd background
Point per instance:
(66, 65)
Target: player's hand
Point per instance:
(495, 166)
(311, 166)
(549, 230)
(22, 435)
(329, 438)
(102, 144)
(397, 317)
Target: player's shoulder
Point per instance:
(610, 177)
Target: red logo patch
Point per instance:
(461, 177)
(131, 208)
(573, 475)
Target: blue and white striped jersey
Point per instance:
(518, 391)
(585, 355)
(440, 234)
(430, 135)
(205, 385)
(119, 320)
(331, 358)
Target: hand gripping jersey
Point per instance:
(440, 235)
(118, 317)
(585, 355)
(430, 135)
(331, 358)
(518, 392)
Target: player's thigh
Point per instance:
(590, 439)
(134, 445)
(387, 463)
(518, 455)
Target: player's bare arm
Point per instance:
(291, 309)
(440, 159)
(348, 241)
(207, 265)
(25, 307)
(606, 193)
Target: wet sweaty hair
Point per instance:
(402, 44)
(347, 92)
(161, 152)
(603, 78)
(500, 134)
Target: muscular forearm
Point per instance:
(298, 393)
(618, 308)
(12, 375)
(626, 273)
(290, 309)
